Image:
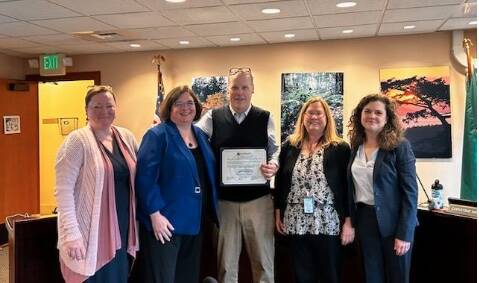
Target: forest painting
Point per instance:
(424, 107)
(296, 88)
(212, 91)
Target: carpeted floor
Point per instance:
(4, 264)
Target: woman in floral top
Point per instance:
(311, 201)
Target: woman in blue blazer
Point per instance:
(383, 190)
(176, 191)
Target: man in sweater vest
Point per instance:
(245, 212)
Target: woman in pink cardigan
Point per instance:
(95, 174)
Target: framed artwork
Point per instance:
(424, 107)
(296, 88)
(67, 125)
(212, 91)
(11, 125)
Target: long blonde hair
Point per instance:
(300, 134)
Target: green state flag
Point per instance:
(469, 152)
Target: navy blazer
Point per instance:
(335, 162)
(167, 178)
(395, 191)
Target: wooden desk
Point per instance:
(445, 248)
(33, 255)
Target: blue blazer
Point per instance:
(167, 178)
(395, 191)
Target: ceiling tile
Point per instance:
(337, 32)
(232, 2)
(458, 23)
(23, 29)
(219, 29)
(245, 39)
(398, 28)
(394, 4)
(417, 14)
(253, 11)
(466, 10)
(200, 15)
(70, 25)
(90, 48)
(34, 10)
(145, 45)
(11, 52)
(329, 6)
(135, 20)
(299, 35)
(348, 19)
(194, 42)
(15, 43)
(159, 33)
(158, 5)
(102, 7)
(281, 24)
(5, 19)
(42, 50)
(55, 38)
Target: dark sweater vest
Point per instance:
(252, 132)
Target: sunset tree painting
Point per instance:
(424, 107)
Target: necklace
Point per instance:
(190, 144)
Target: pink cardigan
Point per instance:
(79, 183)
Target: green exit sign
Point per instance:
(52, 65)
(50, 62)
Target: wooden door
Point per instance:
(19, 185)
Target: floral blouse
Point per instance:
(308, 180)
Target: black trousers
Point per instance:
(316, 258)
(380, 262)
(176, 261)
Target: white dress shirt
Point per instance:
(362, 171)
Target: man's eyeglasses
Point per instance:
(234, 71)
(100, 87)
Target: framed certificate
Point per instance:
(241, 166)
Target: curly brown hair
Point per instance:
(391, 134)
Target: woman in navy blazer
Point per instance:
(383, 190)
(176, 191)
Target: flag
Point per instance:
(160, 93)
(469, 150)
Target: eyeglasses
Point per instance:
(314, 113)
(234, 71)
(187, 104)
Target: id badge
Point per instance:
(308, 205)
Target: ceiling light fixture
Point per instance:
(184, 42)
(289, 35)
(346, 4)
(270, 11)
(135, 45)
(473, 22)
(410, 27)
(175, 1)
(235, 39)
(348, 31)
